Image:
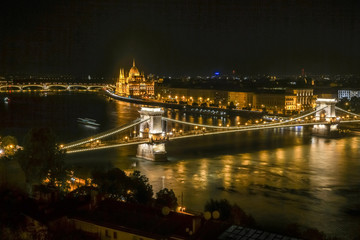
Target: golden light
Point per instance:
(220, 124)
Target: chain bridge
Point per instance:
(152, 130)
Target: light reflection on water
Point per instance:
(279, 176)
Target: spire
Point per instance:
(133, 62)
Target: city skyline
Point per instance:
(180, 37)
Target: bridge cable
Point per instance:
(104, 134)
(242, 127)
(337, 108)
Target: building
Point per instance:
(190, 95)
(348, 93)
(273, 101)
(241, 99)
(291, 103)
(304, 97)
(134, 84)
(112, 220)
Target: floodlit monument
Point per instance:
(134, 83)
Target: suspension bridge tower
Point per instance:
(325, 113)
(328, 112)
(152, 129)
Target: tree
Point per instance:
(8, 143)
(223, 206)
(114, 183)
(42, 158)
(166, 197)
(142, 191)
(231, 105)
(230, 213)
(117, 185)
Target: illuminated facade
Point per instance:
(291, 103)
(134, 84)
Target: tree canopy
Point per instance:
(166, 197)
(230, 213)
(41, 158)
(8, 144)
(116, 184)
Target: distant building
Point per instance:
(347, 93)
(134, 83)
(291, 103)
(241, 99)
(269, 100)
(190, 95)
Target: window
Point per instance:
(115, 235)
(107, 233)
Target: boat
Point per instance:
(6, 100)
(88, 121)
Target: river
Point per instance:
(279, 176)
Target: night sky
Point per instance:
(180, 37)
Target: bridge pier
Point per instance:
(326, 130)
(154, 150)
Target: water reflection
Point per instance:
(279, 176)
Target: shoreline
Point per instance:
(187, 108)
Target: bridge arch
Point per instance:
(32, 86)
(50, 87)
(10, 87)
(74, 87)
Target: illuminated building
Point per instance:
(191, 95)
(348, 93)
(241, 99)
(134, 84)
(291, 103)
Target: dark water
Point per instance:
(279, 176)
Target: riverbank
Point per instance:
(187, 108)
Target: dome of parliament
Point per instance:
(133, 70)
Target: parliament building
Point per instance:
(134, 83)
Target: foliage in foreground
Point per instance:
(41, 158)
(230, 213)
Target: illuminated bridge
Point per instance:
(151, 131)
(52, 86)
